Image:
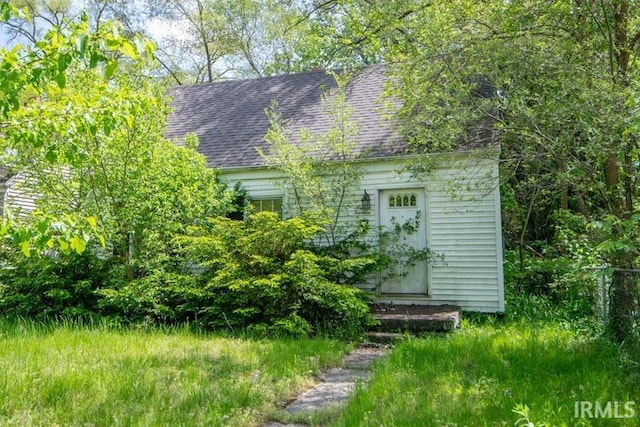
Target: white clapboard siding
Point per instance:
(16, 195)
(463, 224)
(464, 218)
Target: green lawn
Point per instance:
(476, 376)
(95, 376)
(66, 375)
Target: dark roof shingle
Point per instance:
(230, 121)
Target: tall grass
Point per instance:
(67, 375)
(477, 376)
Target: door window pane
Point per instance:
(403, 200)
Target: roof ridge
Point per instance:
(284, 75)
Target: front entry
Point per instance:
(398, 207)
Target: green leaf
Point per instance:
(95, 59)
(110, 69)
(128, 49)
(61, 80)
(107, 127)
(5, 11)
(63, 62)
(64, 246)
(92, 222)
(81, 44)
(78, 244)
(149, 48)
(25, 247)
(51, 155)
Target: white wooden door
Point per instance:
(396, 208)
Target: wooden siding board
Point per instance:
(3, 191)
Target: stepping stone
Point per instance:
(363, 357)
(340, 375)
(322, 396)
(337, 384)
(277, 424)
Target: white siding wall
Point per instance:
(15, 195)
(463, 224)
(3, 191)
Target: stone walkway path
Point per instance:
(336, 384)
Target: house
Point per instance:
(463, 225)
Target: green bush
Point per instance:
(50, 286)
(556, 278)
(262, 274)
(159, 298)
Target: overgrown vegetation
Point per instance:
(125, 239)
(67, 374)
(321, 174)
(480, 374)
(260, 274)
(115, 202)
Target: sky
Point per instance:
(157, 28)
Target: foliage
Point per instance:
(67, 374)
(91, 143)
(40, 115)
(619, 239)
(477, 375)
(561, 281)
(44, 230)
(86, 128)
(261, 273)
(563, 99)
(559, 129)
(160, 298)
(218, 38)
(319, 170)
(322, 179)
(50, 286)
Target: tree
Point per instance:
(320, 170)
(33, 78)
(36, 18)
(82, 118)
(219, 38)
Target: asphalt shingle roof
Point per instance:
(230, 121)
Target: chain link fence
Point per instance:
(619, 301)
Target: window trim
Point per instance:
(271, 199)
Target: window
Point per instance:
(267, 205)
(403, 200)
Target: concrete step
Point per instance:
(416, 318)
(387, 337)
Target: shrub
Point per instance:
(161, 298)
(49, 286)
(261, 273)
(557, 278)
